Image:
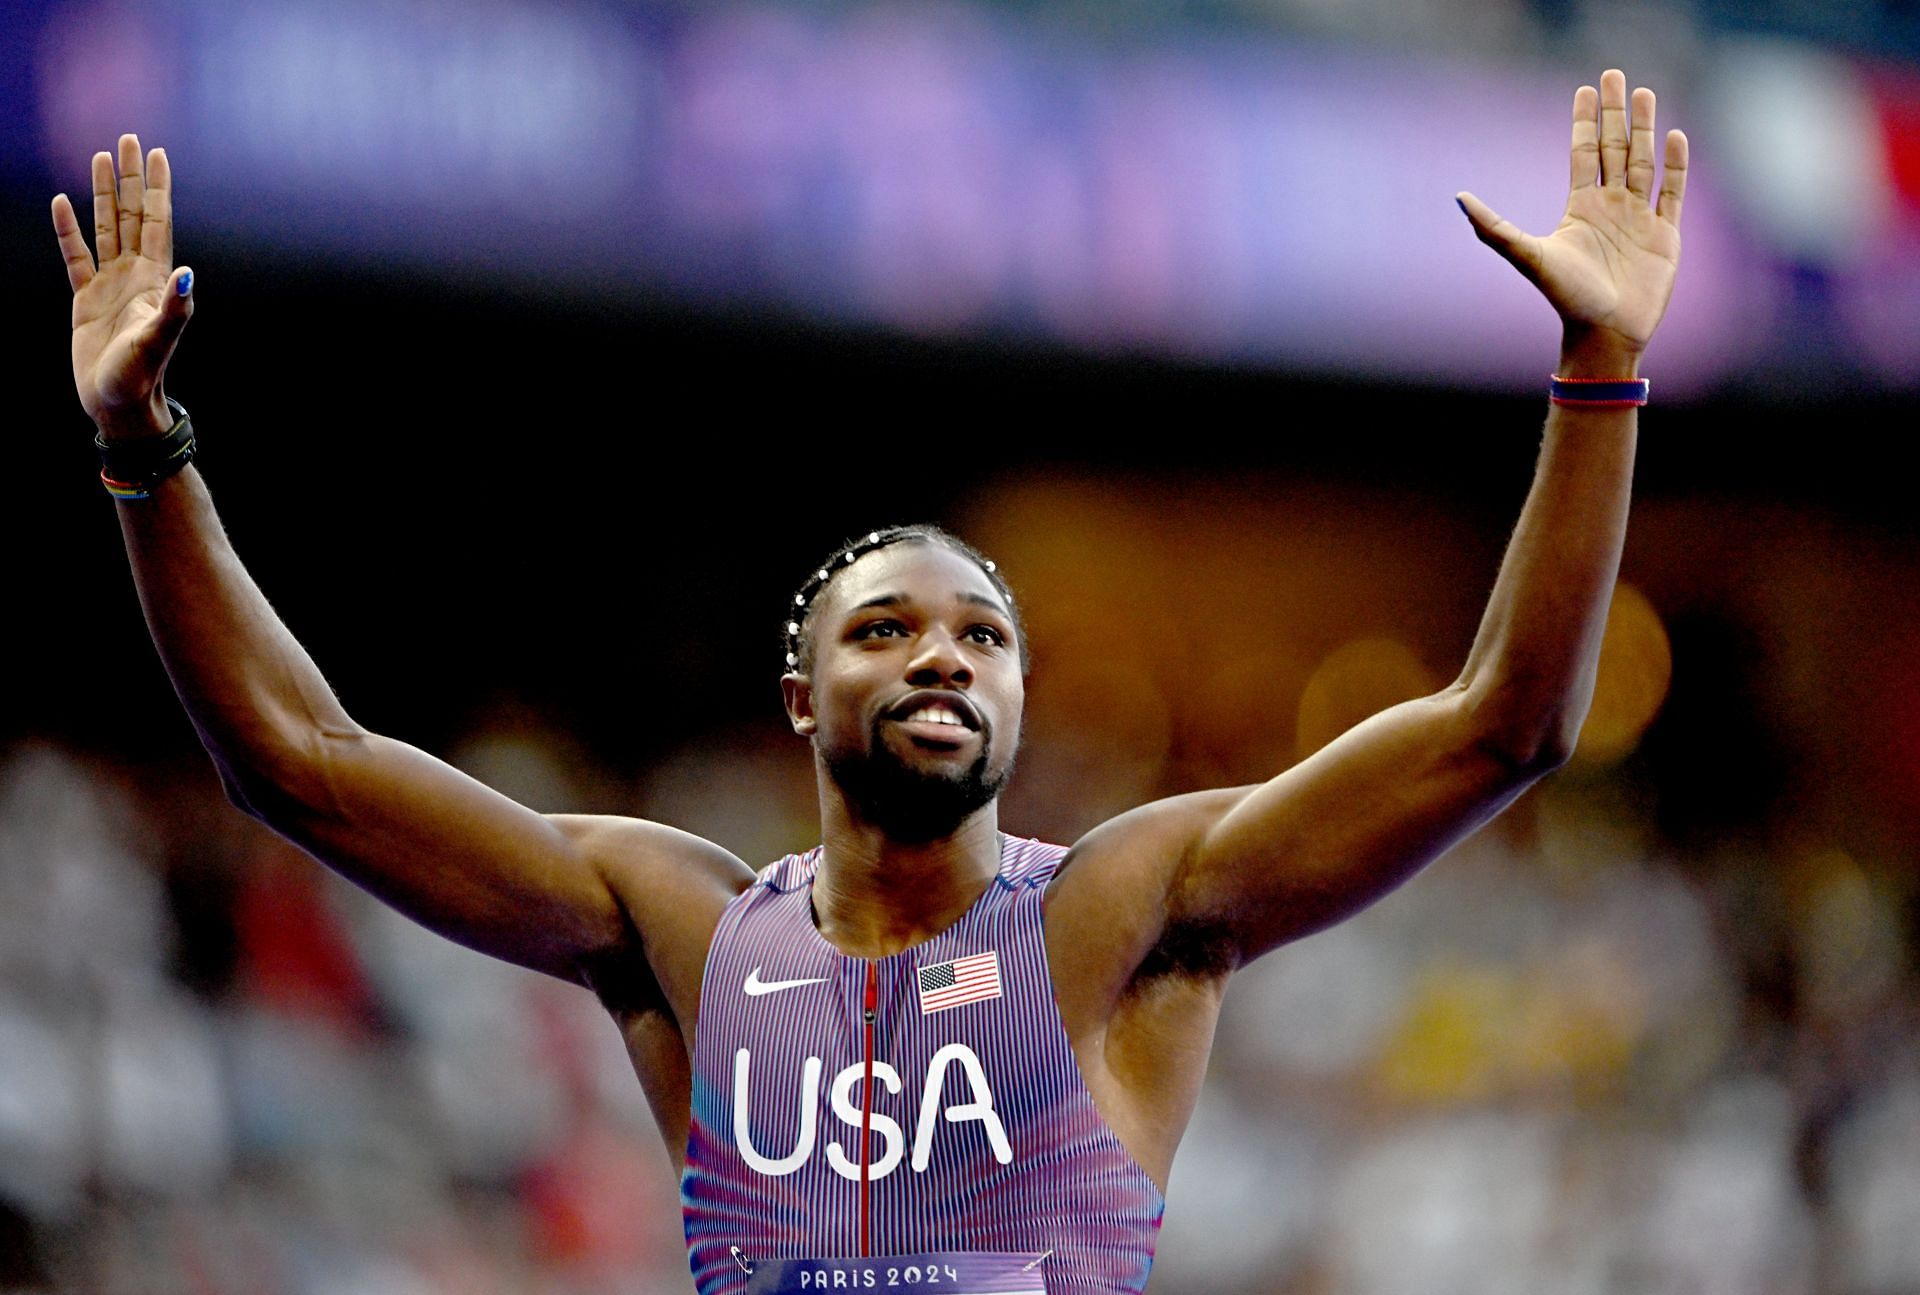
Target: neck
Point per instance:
(874, 896)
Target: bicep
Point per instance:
(454, 855)
(1346, 825)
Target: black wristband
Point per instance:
(135, 465)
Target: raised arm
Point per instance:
(566, 896)
(1221, 877)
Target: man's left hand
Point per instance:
(1608, 267)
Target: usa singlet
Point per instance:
(981, 1135)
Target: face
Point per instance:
(914, 701)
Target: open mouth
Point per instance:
(936, 717)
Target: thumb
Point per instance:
(163, 334)
(1521, 249)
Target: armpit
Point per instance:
(1190, 950)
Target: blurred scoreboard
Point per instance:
(956, 171)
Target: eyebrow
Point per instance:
(901, 600)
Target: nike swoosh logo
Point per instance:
(756, 986)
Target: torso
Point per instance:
(1136, 1003)
(991, 1141)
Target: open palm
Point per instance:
(1610, 263)
(129, 307)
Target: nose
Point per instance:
(937, 660)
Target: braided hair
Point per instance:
(797, 631)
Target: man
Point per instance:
(923, 1052)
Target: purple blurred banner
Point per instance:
(922, 167)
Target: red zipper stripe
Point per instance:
(866, 1109)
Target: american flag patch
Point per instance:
(962, 981)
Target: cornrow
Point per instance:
(798, 641)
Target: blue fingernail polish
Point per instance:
(1461, 205)
(186, 283)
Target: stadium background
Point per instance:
(539, 351)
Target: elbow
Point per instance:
(281, 782)
(267, 797)
(1535, 756)
(1529, 741)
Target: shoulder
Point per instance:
(624, 849)
(1110, 897)
(1137, 855)
(672, 887)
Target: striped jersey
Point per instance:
(981, 1135)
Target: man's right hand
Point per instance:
(130, 308)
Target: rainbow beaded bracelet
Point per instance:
(130, 469)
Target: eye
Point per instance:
(878, 630)
(988, 635)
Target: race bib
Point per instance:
(972, 1273)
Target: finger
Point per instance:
(1640, 146)
(1613, 128)
(1584, 169)
(156, 218)
(156, 344)
(73, 244)
(132, 193)
(1521, 249)
(1673, 185)
(106, 209)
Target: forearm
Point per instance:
(1530, 674)
(258, 701)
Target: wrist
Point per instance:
(130, 467)
(136, 422)
(1597, 353)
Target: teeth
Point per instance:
(935, 713)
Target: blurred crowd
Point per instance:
(1547, 1066)
(1597, 1048)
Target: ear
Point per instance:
(797, 689)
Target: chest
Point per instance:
(923, 1103)
(808, 1060)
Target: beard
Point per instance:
(915, 805)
